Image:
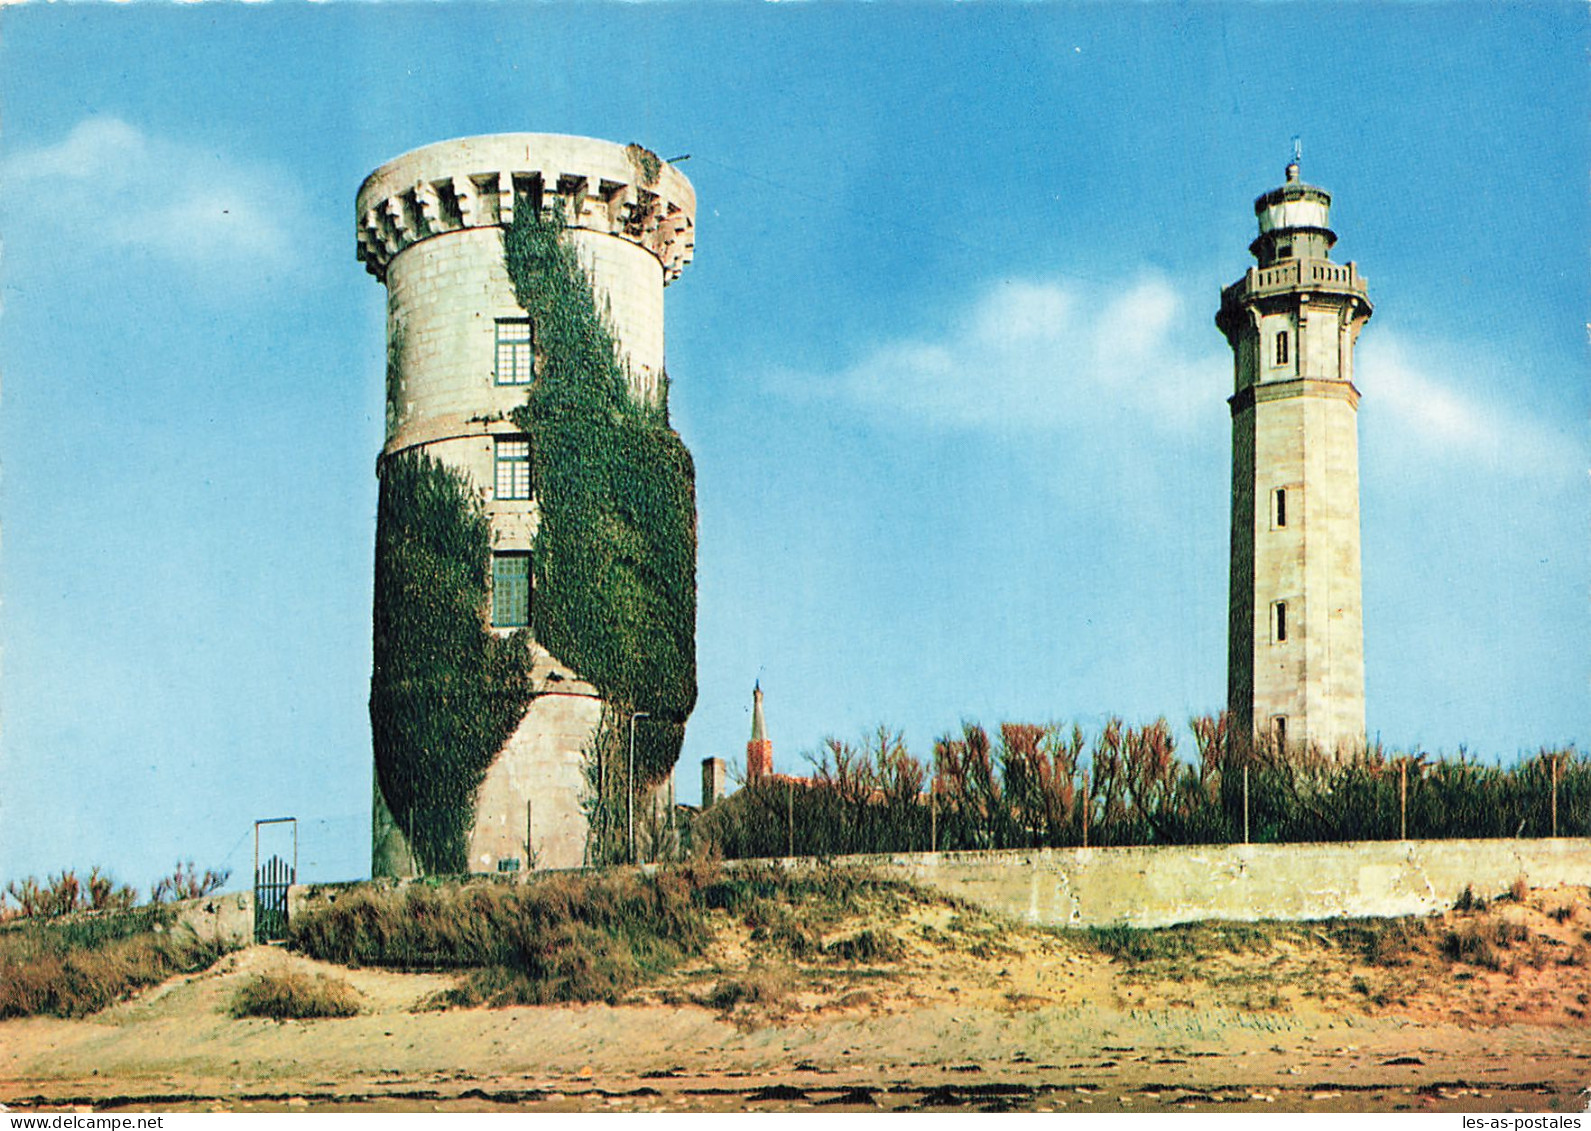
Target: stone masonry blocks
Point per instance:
(428, 226)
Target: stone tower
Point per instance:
(462, 355)
(759, 751)
(1295, 662)
(715, 776)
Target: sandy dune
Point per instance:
(975, 1015)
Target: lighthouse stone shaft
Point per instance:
(1295, 664)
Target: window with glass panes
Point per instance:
(510, 590)
(516, 356)
(513, 467)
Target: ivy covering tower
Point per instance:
(536, 535)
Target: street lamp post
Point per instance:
(629, 801)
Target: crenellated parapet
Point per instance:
(619, 190)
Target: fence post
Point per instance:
(1245, 802)
(1555, 795)
(789, 818)
(1403, 799)
(1086, 808)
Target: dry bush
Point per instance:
(571, 962)
(65, 893)
(187, 882)
(1383, 942)
(295, 997)
(574, 937)
(866, 946)
(105, 894)
(77, 967)
(1519, 890)
(1478, 942)
(780, 924)
(761, 985)
(593, 936)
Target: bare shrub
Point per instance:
(186, 882)
(64, 893)
(29, 897)
(105, 894)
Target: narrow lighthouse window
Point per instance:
(1281, 507)
(1281, 347)
(1281, 622)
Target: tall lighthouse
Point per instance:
(1295, 661)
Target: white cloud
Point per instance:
(1048, 355)
(112, 183)
(1438, 422)
(1113, 363)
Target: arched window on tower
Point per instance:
(1281, 347)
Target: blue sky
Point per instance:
(946, 361)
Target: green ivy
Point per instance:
(614, 563)
(646, 163)
(614, 575)
(447, 692)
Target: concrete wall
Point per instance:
(1157, 887)
(227, 918)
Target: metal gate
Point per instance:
(271, 881)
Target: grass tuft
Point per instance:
(761, 985)
(295, 997)
(1478, 943)
(867, 946)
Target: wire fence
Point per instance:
(1033, 786)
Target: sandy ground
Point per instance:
(976, 1015)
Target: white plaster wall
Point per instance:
(1157, 887)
